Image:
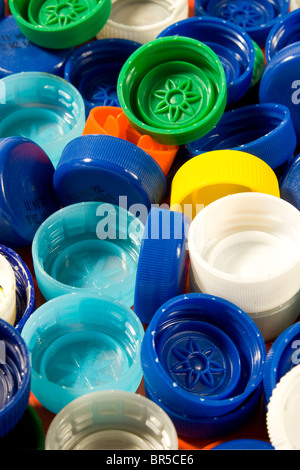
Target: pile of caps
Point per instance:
(149, 163)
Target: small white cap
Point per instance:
(142, 20)
(8, 305)
(245, 248)
(294, 5)
(283, 414)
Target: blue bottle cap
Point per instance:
(244, 444)
(25, 291)
(232, 45)
(2, 6)
(283, 356)
(285, 31)
(42, 107)
(88, 247)
(105, 168)
(289, 183)
(82, 343)
(94, 69)
(18, 54)
(187, 361)
(15, 373)
(26, 191)
(265, 130)
(257, 18)
(163, 261)
(280, 82)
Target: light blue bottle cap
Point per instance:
(18, 54)
(88, 247)
(42, 107)
(81, 343)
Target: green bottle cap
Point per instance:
(174, 89)
(259, 65)
(60, 24)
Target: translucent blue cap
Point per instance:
(283, 356)
(18, 54)
(204, 354)
(232, 44)
(15, 376)
(80, 344)
(26, 192)
(257, 18)
(88, 247)
(280, 83)
(265, 130)
(25, 291)
(244, 444)
(289, 183)
(43, 108)
(285, 31)
(163, 261)
(94, 69)
(105, 168)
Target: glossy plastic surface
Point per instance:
(82, 343)
(289, 183)
(244, 444)
(286, 31)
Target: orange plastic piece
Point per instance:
(112, 121)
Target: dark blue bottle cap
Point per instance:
(232, 44)
(26, 191)
(94, 69)
(280, 83)
(105, 168)
(265, 130)
(257, 18)
(283, 356)
(244, 444)
(2, 6)
(18, 54)
(163, 261)
(25, 291)
(15, 374)
(187, 359)
(289, 183)
(285, 31)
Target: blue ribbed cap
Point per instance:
(289, 183)
(232, 44)
(163, 261)
(244, 444)
(285, 31)
(15, 374)
(265, 130)
(105, 168)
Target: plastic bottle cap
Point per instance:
(26, 191)
(56, 25)
(173, 89)
(212, 175)
(17, 53)
(105, 168)
(232, 45)
(163, 262)
(280, 83)
(117, 420)
(265, 130)
(259, 65)
(257, 18)
(245, 248)
(75, 350)
(112, 121)
(283, 412)
(15, 373)
(94, 68)
(142, 21)
(88, 247)
(1, 9)
(42, 107)
(284, 32)
(294, 5)
(8, 305)
(201, 356)
(244, 444)
(289, 183)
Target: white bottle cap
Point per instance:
(142, 20)
(8, 305)
(245, 248)
(294, 5)
(283, 414)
